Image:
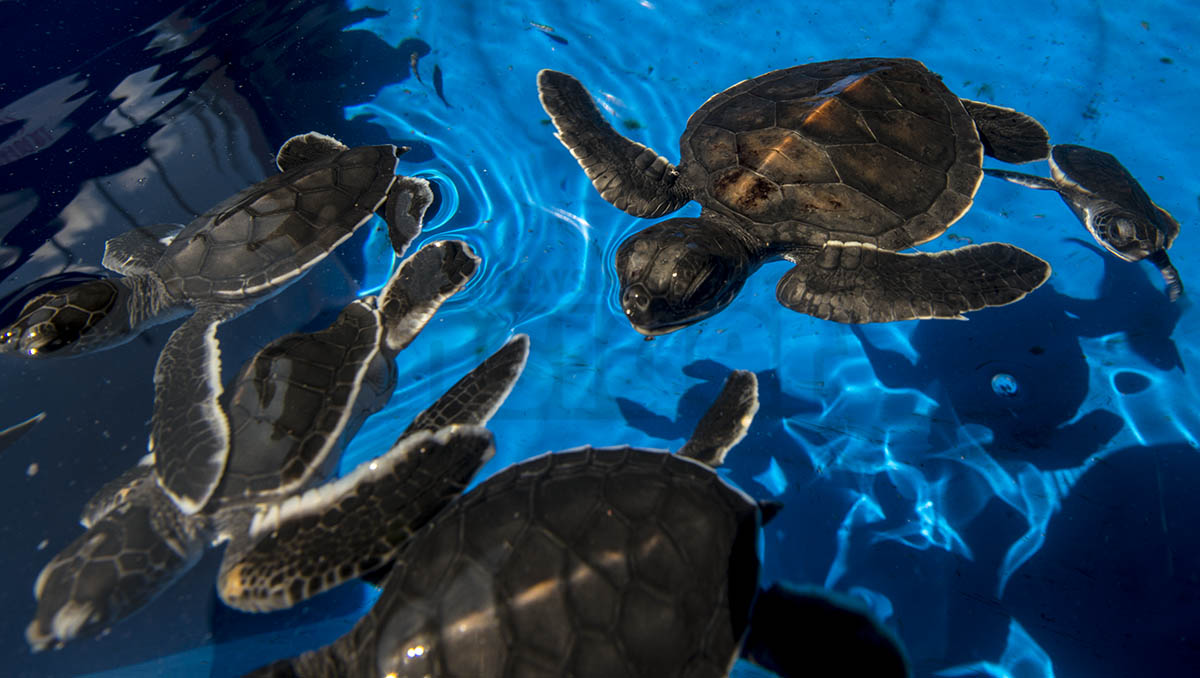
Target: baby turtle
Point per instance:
(292, 409)
(245, 249)
(1112, 205)
(834, 166)
(609, 562)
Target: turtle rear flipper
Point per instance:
(629, 175)
(815, 632)
(304, 149)
(404, 211)
(855, 283)
(1026, 180)
(423, 282)
(726, 421)
(476, 397)
(125, 559)
(1008, 135)
(351, 526)
(137, 251)
(189, 432)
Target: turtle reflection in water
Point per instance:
(607, 562)
(1111, 204)
(834, 166)
(292, 409)
(228, 259)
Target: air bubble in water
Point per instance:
(1004, 385)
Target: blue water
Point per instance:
(1011, 493)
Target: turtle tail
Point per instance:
(1170, 275)
(816, 632)
(629, 175)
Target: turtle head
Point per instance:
(1127, 234)
(123, 561)
(679, 272)
(67, 321)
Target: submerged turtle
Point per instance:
(225, 261)
(292, 409)
(833, 166)
(1112, 205)
(608, 562)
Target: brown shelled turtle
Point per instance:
(834, 166)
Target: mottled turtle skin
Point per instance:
(1111, 204)
(834, 166)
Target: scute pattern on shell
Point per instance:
(270, 233)
(872, 150)
(589, 562)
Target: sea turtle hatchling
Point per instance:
(1111, 204)
(608, 562)
(225, 261)
(292, 409)
(834, 166)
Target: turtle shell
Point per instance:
(597, 562)
(265, 236)
(864, 150)
(301, 398)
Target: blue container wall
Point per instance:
(1011, 492)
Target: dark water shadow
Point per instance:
(1020, 369)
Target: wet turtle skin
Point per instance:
(601, 562)
(277, 228)
(858, 150)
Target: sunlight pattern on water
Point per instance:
(923, 427)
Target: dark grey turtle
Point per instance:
(833, 166)
(1112, 205)
(609, 562)
(225, 261)
(292, 409)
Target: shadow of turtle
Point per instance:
(1020, 370)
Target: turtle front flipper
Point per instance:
(421, 285)
(476, 397)
(136, 251)
(1026, 180)
(404, 211)
(816, 632)
(127, 557)
(189, 432)
(118, 491)
(1008, 135)
(351, 526)
(629, 175)
(10, 435)
(859, 283)
(726, 421)
(1170, 275)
